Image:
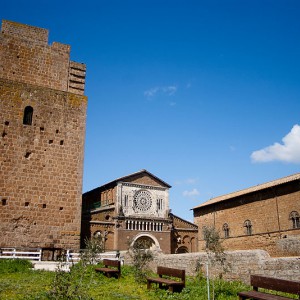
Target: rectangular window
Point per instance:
(126, 201)
(159, 204)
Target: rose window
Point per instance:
(142, 201)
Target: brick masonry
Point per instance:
(268, 207)
(41, 163)
(114, 211)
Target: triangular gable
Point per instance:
(138, 177)
(183, 224)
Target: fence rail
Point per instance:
(36, 254)
(32, 254)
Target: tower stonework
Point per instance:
(42, 130)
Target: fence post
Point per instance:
(68, 255)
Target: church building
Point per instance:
(265, 216)
(136, 208)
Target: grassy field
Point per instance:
(19, 281)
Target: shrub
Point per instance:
(141, 257)
(15, 265)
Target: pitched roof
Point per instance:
(134, 174)
(195, 226)
(250, 190)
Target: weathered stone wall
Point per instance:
(240, 264)
(41, 163)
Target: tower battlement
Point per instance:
(27, 57)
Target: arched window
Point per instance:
(248, 226)
(97, 234)
(226, 230)
(294, 216)
(27, 118)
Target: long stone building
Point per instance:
(266, 216)
(42, 123)
(135, 208)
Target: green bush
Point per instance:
(15, 265)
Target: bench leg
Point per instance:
(148, 285)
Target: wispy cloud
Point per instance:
(191, 193)
(186, 181)
(167, 90)
(288, 151)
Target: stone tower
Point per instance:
(42, 130)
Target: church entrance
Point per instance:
(146, 242)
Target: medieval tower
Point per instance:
(42, 130)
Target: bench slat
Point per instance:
(176, 278)
(115, 270)
(260, 296)
(276, 284)
(271, 284)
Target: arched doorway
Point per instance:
(145, 241)
(182, 249)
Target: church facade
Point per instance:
(266, 216)
(136, 208)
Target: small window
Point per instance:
(159, 204)
(126, 201)
(27, 118)
(4, 201)
(295, 218)
(248, 226)
(226, 230)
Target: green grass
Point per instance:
(19, 281)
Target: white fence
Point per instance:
(32, 254)
(36, 254)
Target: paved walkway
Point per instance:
(48, 265)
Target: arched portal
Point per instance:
(182, 249)
(146, 241)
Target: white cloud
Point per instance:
(169, 90)
(186, 181)
(193, 192)
(288, 151)
(151, 92)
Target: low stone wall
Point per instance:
(239, 264)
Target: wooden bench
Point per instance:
(174, 279)
(274, 284)
(111, 268)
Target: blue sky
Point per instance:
(203, 94)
